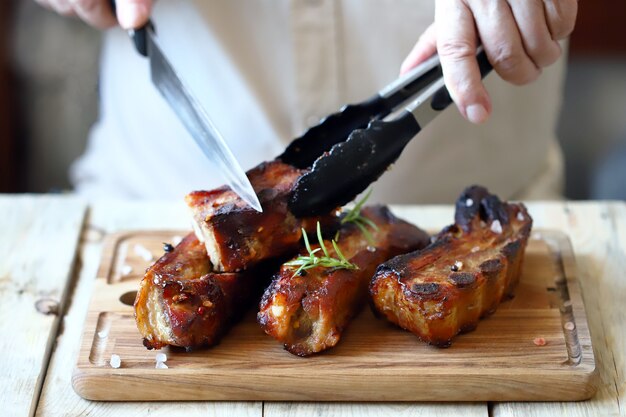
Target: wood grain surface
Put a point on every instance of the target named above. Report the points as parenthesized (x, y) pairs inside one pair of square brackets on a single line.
[(598, 234), (374, 361), (38, 240), (58, 398)]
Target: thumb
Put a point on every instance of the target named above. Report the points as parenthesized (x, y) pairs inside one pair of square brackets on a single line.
[(132, 14), (425, 47)]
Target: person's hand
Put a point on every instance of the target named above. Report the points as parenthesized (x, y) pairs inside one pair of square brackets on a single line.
[(520, 37), (130, 13)]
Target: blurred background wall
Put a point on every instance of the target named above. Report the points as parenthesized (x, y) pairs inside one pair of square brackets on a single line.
[(48, 98), (54, 62)]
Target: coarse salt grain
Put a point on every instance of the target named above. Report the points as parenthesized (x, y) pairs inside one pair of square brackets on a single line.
[(143, 253), (569, 326), (469, 202), (458, 265), (115, 361), (496, 227), (277, 310), (540, 341), (520, 216), (161, 365), (126, 270), (176, 240), (161, 357), (475, 249)]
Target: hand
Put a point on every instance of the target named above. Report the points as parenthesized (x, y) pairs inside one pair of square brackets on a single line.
[(520, 38), (130, 13)]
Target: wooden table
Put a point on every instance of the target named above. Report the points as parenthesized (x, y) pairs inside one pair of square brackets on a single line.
[(52, 244)]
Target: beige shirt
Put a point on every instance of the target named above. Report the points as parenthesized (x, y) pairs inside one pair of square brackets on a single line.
[(266, 70)]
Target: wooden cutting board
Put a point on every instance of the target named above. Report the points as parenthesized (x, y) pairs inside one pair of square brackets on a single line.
[(502, 360)]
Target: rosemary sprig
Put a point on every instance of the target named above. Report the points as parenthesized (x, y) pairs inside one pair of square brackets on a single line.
[(354, 216), (304, 262)]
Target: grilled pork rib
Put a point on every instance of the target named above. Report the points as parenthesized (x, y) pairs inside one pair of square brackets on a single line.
[(181, 302), (462, 276), (308, 312), (238, 237)]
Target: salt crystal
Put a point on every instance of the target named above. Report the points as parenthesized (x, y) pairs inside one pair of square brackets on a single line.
[(540, 341), (520, 216), (102, 334), (458, 265), (143, 252), (161, 365), (126, 270), (569, 326), (496, 227), (161, 357), (475, 249), (156, 280), (115, 361), (371, 249), (176, 240), (469, 202), (277, 310)]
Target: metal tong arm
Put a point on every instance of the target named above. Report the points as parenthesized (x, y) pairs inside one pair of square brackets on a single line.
[(336, 128), (338, 176)]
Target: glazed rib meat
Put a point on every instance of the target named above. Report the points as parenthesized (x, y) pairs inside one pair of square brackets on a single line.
[(462, 276), (181, 302), (236, 236), (309, 311)]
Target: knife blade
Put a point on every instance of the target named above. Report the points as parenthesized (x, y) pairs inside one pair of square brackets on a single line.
[(192, 114), (198, 123)]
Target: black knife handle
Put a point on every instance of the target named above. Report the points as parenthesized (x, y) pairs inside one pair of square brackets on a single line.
[(138, 36)]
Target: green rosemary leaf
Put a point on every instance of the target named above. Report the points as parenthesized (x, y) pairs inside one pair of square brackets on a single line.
[(320, 239), (366, 233), (304, 262), (306, 240), (354, 216)]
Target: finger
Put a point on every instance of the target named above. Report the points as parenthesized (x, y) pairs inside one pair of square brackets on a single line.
[(456, 44), (62, 7), (502, 41), (132, 14), (536, 37), (44, 3), (425, 47), (97, 13), (561, 16)]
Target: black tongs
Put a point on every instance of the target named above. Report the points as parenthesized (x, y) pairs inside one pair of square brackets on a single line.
[(349, 150)]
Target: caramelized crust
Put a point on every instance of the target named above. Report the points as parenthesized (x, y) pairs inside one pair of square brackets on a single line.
[(308, 312), (236, 236), (182, 303), (462, 276)]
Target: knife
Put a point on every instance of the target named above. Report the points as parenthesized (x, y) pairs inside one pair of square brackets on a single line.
[(191, 114)]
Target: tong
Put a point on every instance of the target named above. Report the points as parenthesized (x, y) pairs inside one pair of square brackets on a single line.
[(350, 149)]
